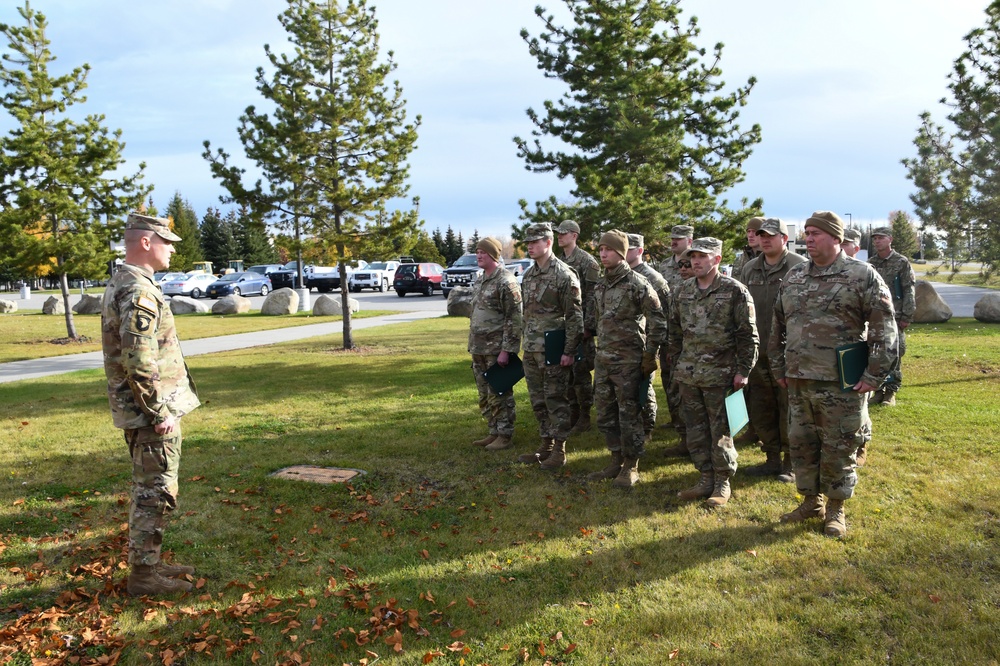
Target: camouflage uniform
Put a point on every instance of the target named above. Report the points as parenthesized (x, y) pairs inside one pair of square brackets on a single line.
[(671, 272), (148, 382), (662, 290), (551, 302), (739, 265), (767, 401), (588, 271), (712, 337), (892, 268), (817, 310), (495, 326), (630, 324)]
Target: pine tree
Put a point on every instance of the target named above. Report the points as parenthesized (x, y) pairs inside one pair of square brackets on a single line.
[(185, 225), (218, 242), (57, 174), (473, 241), (904, 236), (425, 249), (651, 141), (439, 242), (334, 151), (252, 239)]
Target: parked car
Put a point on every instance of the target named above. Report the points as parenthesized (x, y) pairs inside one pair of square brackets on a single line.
[(462, 273), (519, 266), (327, 278), (193, 285), (165, 276), (378, 275), (423, 278), (287, 275), (240, 284), (265, 269)]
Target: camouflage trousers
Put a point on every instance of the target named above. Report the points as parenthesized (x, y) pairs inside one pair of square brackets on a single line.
[(672, 390), (767, 404), (895, 380), (649, 407), (825, 429), (497, 410), (581, 389), (547, 389), (617, 391), (155, 464), (709, 441)]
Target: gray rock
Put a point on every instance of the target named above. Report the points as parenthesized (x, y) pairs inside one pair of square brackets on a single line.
[(460, 302), (231, 305), (987, 309), (53, 305), (89, 304), (184, 305), (931, 308), (330, 305), (282, 301), (7, 306)]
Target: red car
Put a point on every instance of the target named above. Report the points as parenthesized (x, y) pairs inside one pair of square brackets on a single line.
[(422, 278)]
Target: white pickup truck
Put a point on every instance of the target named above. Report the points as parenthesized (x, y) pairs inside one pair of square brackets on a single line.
[(377, 275)]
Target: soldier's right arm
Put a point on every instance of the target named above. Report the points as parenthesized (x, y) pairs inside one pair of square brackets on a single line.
[(139, 312), (513, 318), (776, 343), (675, 336)]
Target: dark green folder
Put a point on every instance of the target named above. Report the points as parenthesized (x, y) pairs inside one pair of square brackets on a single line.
[(852, 360), (897, 287), (644, 389), (555, 342), (502, 379)]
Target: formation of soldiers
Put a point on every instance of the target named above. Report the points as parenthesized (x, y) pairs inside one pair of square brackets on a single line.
[(774, 330)]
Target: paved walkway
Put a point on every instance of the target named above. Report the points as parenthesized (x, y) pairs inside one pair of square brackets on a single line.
[(55, 365)]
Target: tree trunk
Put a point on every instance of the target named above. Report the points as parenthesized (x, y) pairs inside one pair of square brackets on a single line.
[(64, 288), (345, 298)]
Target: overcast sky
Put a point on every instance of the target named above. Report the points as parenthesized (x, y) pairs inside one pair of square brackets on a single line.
[(840, 87)]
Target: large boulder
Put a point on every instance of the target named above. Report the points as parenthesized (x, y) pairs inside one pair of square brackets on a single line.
[(987, 309), (330, 305), (282, 301), (231, 305), (7, 306), (931, 308), (183, 305), (53, 305), (460, 302), (89, 304)]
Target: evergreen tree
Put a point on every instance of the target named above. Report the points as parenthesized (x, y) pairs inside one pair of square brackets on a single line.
[(473, 241), (439, 242), (253, 242), (452, 248), (425, 249), (218, 242), (904, 236), (651, 140), (334, 151), (57, 174), (185, 225)]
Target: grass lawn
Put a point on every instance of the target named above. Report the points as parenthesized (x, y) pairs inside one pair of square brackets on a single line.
[(26, 336), (968, 274), (444, 553)]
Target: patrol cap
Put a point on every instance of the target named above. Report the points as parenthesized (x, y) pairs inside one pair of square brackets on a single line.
[(882, 231), (852, 236), (635, 241), (773, 226), (160, 226), (755, 223), (568, 226), (490, 246), (537, 232), (615, 240), (706, 245), (827, 221), (682, 231)]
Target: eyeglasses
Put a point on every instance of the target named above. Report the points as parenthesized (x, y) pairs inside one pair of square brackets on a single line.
[(684, 264)]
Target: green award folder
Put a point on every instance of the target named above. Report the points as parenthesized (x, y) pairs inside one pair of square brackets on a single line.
[(897, 287), (644, 390), (852, 360), (555, 342), (736, 412), (502, 379)]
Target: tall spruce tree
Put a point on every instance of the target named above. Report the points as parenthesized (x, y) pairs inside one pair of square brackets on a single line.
[(651, 141), (218, 242), (252, 239), (904, 235), (61, 198), (334, 151), (473, 241), (185, 224)]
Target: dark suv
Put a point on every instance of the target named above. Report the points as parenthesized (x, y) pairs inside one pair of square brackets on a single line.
[(462, 273), (423, 278)]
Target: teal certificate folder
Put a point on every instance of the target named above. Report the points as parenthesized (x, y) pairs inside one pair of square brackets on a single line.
[(852, 360), (736, 412), (555, 342), (502, 379)]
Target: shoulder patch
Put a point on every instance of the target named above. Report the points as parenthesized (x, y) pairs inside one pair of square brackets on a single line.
[(147, 303)]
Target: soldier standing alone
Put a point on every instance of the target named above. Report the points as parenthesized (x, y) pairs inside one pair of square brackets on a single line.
[(898, 275), (150, 389), (494, 336)]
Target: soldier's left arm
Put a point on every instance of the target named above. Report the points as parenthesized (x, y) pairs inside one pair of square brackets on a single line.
[(656, 320), (513, 318), (140, 352), (572, 307), (588, 284), (909, 305), (878, 312), (747, 340)]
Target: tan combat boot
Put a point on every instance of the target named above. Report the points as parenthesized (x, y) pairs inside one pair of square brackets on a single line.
[(144, 580), (173, 570), (611, 471), (582, 424), (811, 507), (835, 522), (704, 487), (629, 475), (500, 443), (721, 491), (557, 458), (861, 457), (890, 399), (485, 441), (543, 452)]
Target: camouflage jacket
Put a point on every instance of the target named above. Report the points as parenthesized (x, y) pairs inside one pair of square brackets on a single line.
[(712, 332), (588, 272), (662, 290), (762, 281), (630, 319), (496, 323), (147, 377), (739, 264), (897, 273), (551, 302), (671, 272), (821, 308)]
